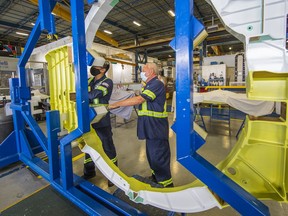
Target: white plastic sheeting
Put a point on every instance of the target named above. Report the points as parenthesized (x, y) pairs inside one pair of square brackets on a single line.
[(235, 100), (239, 102)]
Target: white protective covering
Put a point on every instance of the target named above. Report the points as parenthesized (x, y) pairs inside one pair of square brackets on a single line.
[(235, 100), (239, 102)]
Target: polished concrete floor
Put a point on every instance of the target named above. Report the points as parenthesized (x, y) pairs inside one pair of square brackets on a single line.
[(17, 182)]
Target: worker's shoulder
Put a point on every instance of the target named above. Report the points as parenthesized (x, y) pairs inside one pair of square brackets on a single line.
[(107, 82), (156, 83)]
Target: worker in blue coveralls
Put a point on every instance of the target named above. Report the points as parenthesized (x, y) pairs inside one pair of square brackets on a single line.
[(153, 124), (100, 89)]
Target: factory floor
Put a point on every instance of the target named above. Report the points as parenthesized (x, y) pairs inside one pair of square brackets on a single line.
[(18, 182)]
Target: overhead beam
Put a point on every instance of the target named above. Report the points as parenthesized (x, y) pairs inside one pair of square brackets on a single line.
[(120, 26), (119, 61), (147, 43), (5, 6), (197, 9), (65, 14), (13, 25), (216, 50), (18, 26), (161, 53), (223, 41)]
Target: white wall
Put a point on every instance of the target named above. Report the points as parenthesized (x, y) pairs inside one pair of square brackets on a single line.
[(229, 60), (122, 74), (8, 64)]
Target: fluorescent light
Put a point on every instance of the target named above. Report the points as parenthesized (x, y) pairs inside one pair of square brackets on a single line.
[(21, 33), (32, 23), (171, 13), (108, 32), (136, 23)]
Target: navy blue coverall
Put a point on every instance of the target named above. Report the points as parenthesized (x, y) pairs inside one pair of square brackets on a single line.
[(99, 94), (154, 127)]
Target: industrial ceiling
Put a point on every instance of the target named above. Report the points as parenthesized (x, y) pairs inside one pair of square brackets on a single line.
[(154, 33)]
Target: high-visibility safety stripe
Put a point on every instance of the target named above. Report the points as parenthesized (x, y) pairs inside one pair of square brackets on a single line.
[(145, 112), (114, 160), (96, 101), (149, 94), (103, 89), (166, 183), (88, 160), (90, 80), (153, 114)]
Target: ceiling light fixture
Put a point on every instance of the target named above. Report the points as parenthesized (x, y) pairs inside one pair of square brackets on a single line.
[(33, 24), (21, 33), (171, 12), (108, 32), (169, 56), (136, 23), (230, 48)]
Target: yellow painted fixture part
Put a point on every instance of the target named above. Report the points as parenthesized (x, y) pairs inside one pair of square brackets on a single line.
[(62, 82), (258, 161)]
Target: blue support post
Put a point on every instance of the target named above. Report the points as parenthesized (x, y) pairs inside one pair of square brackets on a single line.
[(82, 102), (53, 127), (184, 95), (18, 121), (228, 190), (44, 14), (80, 66)]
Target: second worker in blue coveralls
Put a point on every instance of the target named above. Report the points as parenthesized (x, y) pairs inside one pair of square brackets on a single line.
[(100, 90), (153, 124)]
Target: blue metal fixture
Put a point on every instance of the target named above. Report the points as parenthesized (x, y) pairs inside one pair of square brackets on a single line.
[(186, 30), (24, 143)]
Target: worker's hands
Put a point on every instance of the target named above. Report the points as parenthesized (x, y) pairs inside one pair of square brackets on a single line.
[(112, 106)]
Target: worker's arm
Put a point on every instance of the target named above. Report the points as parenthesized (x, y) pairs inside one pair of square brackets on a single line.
[(128, 102), (96, 93), (102, 90)]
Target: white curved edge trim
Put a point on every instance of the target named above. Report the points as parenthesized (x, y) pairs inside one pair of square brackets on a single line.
[(94, 18), (190, 200)]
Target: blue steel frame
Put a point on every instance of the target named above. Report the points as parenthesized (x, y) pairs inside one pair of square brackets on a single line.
[(187, 29), (23, 143), (61, 176)]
